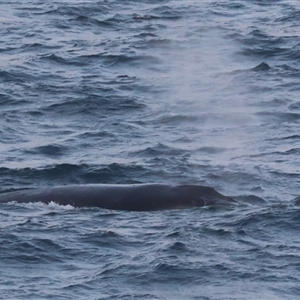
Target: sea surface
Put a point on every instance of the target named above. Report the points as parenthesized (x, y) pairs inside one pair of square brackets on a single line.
[(148, 91)]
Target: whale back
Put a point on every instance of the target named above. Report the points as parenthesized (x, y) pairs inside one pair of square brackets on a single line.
[(139, 197)]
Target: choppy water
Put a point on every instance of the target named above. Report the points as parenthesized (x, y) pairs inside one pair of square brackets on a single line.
[(202, 92)]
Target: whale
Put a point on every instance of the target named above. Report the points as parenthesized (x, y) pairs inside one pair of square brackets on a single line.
[(128, 197)]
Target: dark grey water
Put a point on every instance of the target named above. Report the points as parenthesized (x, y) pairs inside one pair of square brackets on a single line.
[(202, 92)]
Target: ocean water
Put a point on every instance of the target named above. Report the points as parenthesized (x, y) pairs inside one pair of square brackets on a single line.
[(200, 92)]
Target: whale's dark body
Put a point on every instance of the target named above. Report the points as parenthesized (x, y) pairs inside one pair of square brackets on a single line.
[(136, 197)]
